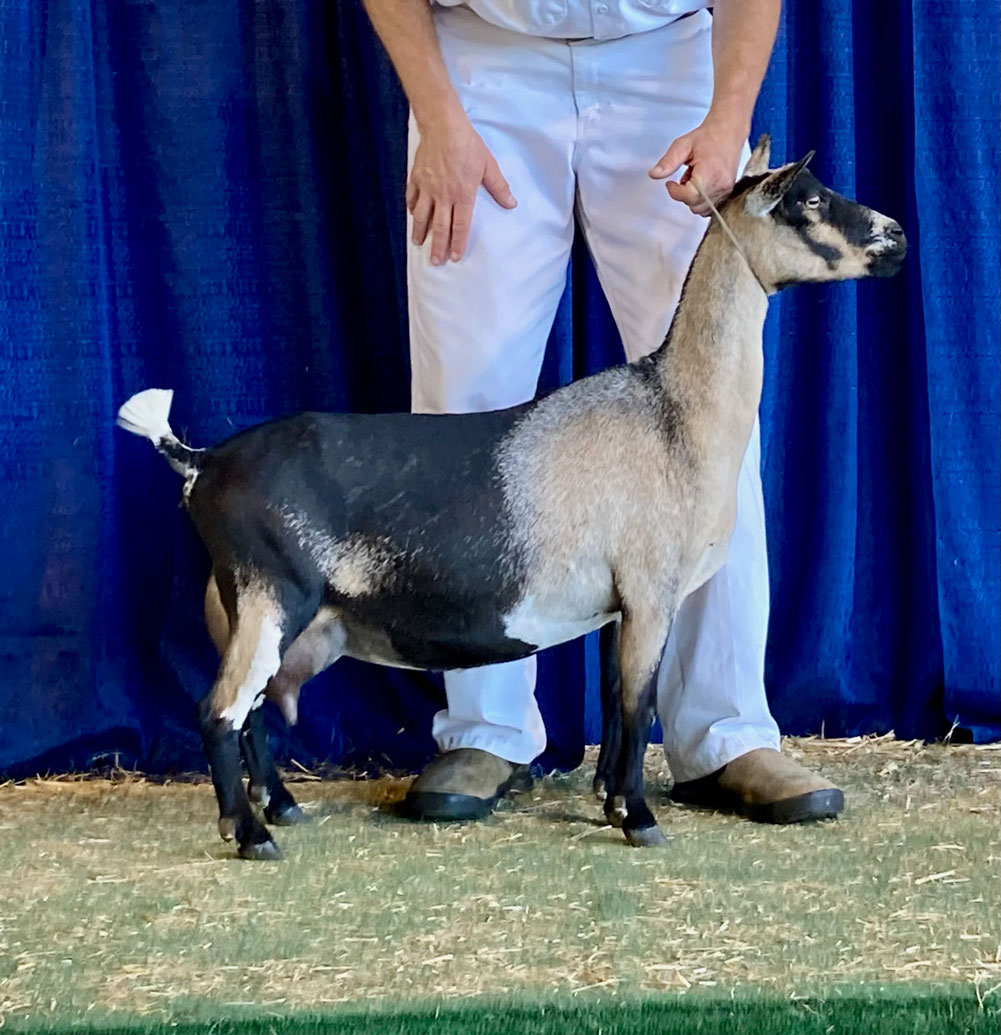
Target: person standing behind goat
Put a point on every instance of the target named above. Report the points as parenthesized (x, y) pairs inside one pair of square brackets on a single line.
[(565, 99)]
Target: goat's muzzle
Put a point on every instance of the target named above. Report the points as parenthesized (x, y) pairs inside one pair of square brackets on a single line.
[(886, 254)]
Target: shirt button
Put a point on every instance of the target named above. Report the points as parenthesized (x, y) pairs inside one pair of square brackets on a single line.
[(602, 8)]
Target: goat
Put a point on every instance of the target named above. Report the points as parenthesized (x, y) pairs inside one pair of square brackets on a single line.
[(453, 541)]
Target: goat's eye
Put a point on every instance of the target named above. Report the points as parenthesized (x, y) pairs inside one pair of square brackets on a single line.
[(813, 202)]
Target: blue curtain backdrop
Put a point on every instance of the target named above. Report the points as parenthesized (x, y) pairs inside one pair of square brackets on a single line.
[(207, 196)]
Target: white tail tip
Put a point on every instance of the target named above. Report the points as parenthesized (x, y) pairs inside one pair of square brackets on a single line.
[(146, 414)]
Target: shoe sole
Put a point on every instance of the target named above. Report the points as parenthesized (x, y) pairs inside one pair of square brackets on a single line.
[(449, 807), (804, 808)]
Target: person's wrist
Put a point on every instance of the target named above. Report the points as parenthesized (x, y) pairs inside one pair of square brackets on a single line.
[(438, 108), (730, 119)]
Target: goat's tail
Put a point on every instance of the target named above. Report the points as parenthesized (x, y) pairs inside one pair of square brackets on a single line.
[(146, 414)]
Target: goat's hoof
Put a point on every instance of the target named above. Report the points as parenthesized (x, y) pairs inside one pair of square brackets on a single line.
[(289, 816), (646, 837), (599, 789), (227, 828), (261, 851)]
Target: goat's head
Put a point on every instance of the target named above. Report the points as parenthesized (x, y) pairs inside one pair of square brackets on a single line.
[(794, 229)]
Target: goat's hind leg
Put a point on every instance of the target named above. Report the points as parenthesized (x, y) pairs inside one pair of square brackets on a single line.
[(320, 644), (251, 657), (266, 788), (265, 784)]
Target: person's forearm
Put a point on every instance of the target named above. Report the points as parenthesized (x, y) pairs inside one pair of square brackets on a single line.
[(742, 40), (407, 32)]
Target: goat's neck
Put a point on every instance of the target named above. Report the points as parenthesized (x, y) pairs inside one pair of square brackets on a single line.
[(711, 361)]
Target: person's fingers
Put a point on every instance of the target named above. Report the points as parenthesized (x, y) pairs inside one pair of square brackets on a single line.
[(462, 218), (441, 232), (493, 180), (421, 212), (716, 184), (410, 195), (686, 193), (673, 158)]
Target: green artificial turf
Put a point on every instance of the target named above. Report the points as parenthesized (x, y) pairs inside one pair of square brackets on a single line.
[(883, 1011)]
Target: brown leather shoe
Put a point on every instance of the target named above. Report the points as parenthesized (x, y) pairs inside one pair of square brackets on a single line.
[(463, 784), (765, 786)]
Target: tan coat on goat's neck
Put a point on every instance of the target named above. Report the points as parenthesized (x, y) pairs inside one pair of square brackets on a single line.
[(623, 486)]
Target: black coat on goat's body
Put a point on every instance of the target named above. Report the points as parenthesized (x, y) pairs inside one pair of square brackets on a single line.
[(408, 536), (454, 541)]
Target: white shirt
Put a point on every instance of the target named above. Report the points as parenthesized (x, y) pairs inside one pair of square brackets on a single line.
[(579, 19)]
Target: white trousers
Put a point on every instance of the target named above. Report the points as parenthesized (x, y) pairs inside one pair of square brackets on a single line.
[(576, 125)]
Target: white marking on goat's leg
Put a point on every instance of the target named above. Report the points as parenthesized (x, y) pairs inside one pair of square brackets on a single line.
[(263, 663)]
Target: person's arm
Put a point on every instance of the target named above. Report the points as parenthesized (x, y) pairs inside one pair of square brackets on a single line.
[(743, 35), (451, 160)]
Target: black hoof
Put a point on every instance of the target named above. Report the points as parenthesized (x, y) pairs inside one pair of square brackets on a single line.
[(599, 788), (646, 837), (261, 851), (288, 816)]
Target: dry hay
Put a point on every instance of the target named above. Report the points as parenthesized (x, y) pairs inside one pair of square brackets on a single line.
[(125, 899)]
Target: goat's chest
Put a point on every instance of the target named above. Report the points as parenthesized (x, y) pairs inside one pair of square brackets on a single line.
[(707, 563), (712, 544)]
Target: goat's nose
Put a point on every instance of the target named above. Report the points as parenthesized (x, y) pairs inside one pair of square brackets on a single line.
[(896, 231)]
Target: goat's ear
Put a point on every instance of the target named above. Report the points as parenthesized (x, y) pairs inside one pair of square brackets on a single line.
[(758, 162), (762, 198)]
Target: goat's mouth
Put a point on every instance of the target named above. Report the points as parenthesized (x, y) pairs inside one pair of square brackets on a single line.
[(885, 261)]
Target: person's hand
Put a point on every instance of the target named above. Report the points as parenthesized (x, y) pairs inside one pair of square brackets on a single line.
[(451, 163), (711, 152)]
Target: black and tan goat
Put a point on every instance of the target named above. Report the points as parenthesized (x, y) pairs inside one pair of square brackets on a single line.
[(454, 541)]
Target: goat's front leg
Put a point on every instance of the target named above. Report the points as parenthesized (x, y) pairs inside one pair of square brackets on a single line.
[(251, 657), (611, 712), (641, 645)]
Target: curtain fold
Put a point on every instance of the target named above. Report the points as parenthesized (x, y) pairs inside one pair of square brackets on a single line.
[(209, 198)]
